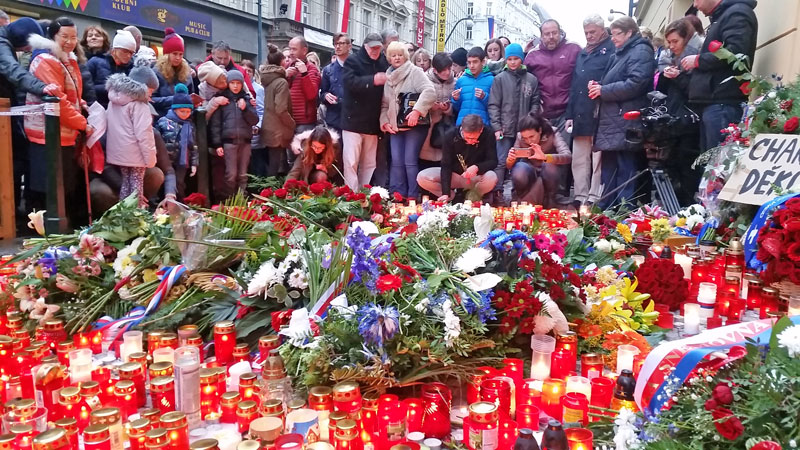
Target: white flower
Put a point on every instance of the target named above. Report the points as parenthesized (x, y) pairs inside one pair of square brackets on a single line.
[(293, 256), (603, 245), (452, 325), (790, 340), (472, 259), (793, 443), (298, 280), (379, 190), (124, 260), (616, 245), (422, 306), (693, 220), (431, 220), (265, 277), (626, 436)]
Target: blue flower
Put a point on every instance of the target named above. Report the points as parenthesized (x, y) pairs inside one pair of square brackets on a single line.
[(482, 306), (376, 324), (364, 267)]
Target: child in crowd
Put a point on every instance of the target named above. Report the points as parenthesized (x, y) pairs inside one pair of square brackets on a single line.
[(316, 156), (231, 130), (178, 132), (471, 95), (129, 139), (212, 82)]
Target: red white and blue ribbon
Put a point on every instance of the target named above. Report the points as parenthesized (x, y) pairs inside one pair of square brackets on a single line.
[(112, 329), (689, 353)]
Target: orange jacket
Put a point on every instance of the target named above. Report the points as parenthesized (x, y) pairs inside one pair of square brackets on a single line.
[(61, 69)]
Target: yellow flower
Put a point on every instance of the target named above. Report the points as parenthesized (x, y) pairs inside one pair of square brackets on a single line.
[(625, 232), (149, 275), (681, 222)]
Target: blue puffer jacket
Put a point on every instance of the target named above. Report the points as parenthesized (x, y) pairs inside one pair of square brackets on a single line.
[(102, 67), (467, 103)]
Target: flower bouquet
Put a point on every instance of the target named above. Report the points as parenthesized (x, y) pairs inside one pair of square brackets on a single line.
[(779, 244), (663, 280)]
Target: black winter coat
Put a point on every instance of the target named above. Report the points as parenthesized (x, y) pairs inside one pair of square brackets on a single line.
[(483, 155), (733, 23), (15, 80), (361, 109), (624, 88), (231, 125), (332, 83), (102, 67), (88, 95), (590, 66)]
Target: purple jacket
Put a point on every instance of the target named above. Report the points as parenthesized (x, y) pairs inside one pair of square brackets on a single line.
[(554, 70)]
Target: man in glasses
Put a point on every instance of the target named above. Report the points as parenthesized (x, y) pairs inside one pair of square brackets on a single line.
[(331, 90), (468, 161)]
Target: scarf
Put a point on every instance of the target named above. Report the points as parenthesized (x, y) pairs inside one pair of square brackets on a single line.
[(590, 48), (185, 136)]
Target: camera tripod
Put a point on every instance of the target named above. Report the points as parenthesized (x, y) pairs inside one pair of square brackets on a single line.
[(662, 193)]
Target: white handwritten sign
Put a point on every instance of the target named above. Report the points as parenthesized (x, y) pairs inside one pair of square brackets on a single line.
[(772, 161)]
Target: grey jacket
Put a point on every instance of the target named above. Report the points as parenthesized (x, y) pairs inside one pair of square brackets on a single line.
[(624, 88), (514, 95), (15, 81)]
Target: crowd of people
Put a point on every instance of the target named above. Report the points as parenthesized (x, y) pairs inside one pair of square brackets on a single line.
[(539, 122)]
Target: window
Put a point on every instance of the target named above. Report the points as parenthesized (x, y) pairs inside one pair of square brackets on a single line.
[(468, 36), (366, 19), (488, 9), (399, 28), (304, 15), (470, 9), (383, 21), (327, 15)]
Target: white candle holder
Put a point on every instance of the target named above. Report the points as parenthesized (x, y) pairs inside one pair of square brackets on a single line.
[(691, 318), (80, 365), (625, 355), (543, 347)]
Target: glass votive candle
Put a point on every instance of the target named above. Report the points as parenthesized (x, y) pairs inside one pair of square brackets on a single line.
[(131, 343), (530, 393), (713, 322), (97, 437), (579, 438), (23, 436), (162, 393), (482, 425), (507, 433), (579, 384), (136, 433), (552, 391), (542, 347), (209, 397), (437, 400), (80, 365), (707, 298), (414, 411), (497, 391), (228, 402), (125, 395), (111, 417), (164, 354), (575, 408), (246, 411), (474, 384), (561, 363), (625, 355), (157, 439), (591, 365), (666, 320), (224, 341), (347, 436), (294, 441), (602, 391), (528, 416), (62, 351), (247, 386), (185, 332), (70, 427), (177, 427), (691, 318)]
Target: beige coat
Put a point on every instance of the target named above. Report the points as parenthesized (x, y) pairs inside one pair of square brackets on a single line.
[(443, 90), (406, 78)]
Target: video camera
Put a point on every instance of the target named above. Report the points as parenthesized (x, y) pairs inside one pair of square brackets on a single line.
[(659, 130)]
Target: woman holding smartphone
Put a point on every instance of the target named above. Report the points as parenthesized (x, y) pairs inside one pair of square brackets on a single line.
[(534, 159)]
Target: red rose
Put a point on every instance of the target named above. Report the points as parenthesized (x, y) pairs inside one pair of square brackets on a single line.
[(787, 105), (397, 197), (791, 125), (196, 199), (713, 46), (280, 318), (317, 188), (367, 186), (793, 205), (745, 88), (728, 425), (341, 191), (266, 192), (375, 198), (388, 283), (377, 208), (766, 445), (722, 394), (281, 193)]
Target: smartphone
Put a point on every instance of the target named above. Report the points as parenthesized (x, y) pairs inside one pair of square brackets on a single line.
[(522, 152)]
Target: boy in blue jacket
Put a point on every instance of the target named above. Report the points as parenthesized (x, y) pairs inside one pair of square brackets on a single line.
[(471, 94)]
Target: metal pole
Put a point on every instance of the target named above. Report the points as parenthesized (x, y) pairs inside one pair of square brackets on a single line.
[(201, 138), (454, 29), (260, 37), (56, 217)]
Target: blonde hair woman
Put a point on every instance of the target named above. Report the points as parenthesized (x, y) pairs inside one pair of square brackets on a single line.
[(171, 68), (406, 137)]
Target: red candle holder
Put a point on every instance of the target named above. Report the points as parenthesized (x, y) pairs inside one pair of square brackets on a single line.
[(528, 416), (177, 427), (346, 438), (754, 293), (266, 344), (713, 322), (62, 352), (575, 408), (591, 365), (69, 400), (48, 380), (561, 363), (552, 391), (474, 385), (23, 435), (247, 387), (736, 309), (413, 414), (97, 437), (666, 320), (82, 340), (134, 372), (602, 392), (579, 438), (514, 369), (723, 303), (507, 434), (137, 431), (241, 352), (347, 397), (246, 412), (70, 427), (391, 421), (437, 399), (568, 341), (162, 390), (529, 394), (228, 402), (224, 342), (125, 395), (209, 396), (481, 427)]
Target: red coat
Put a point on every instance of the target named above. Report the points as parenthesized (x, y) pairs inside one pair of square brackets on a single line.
[(304, 89), (554, 70)]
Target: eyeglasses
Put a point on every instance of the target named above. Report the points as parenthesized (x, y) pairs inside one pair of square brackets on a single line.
[(618, 33), (470, 140), (340, 44)]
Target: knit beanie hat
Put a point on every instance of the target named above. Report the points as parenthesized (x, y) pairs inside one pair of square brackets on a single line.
[(235, 75), (209, 72), (459, 56), (172, 41), (145, 56), (514, 50), (144, 75), (124, 39), (181, 98), (20, 29)]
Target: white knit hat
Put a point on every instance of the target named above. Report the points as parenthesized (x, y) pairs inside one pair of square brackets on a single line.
[(124, 39)]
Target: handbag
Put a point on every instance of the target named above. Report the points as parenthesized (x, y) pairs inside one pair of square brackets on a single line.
[(406, 102), (439, 131)]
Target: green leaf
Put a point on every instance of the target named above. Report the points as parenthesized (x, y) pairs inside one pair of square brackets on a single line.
[(252, 322)]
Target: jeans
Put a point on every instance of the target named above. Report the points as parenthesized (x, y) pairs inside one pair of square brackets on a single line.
[(716, 118), (405, 146), (237, 158), (535, 185), (585, 170), (276, 161), (358, 158), (503, 146), (431, 180), (258, 161), (617, 168)]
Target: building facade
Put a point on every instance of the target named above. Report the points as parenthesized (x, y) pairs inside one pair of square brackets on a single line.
[(515, 19), (778, 41)]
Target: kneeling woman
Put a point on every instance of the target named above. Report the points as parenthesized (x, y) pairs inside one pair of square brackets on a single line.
[(535, 180), (316, 156)]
